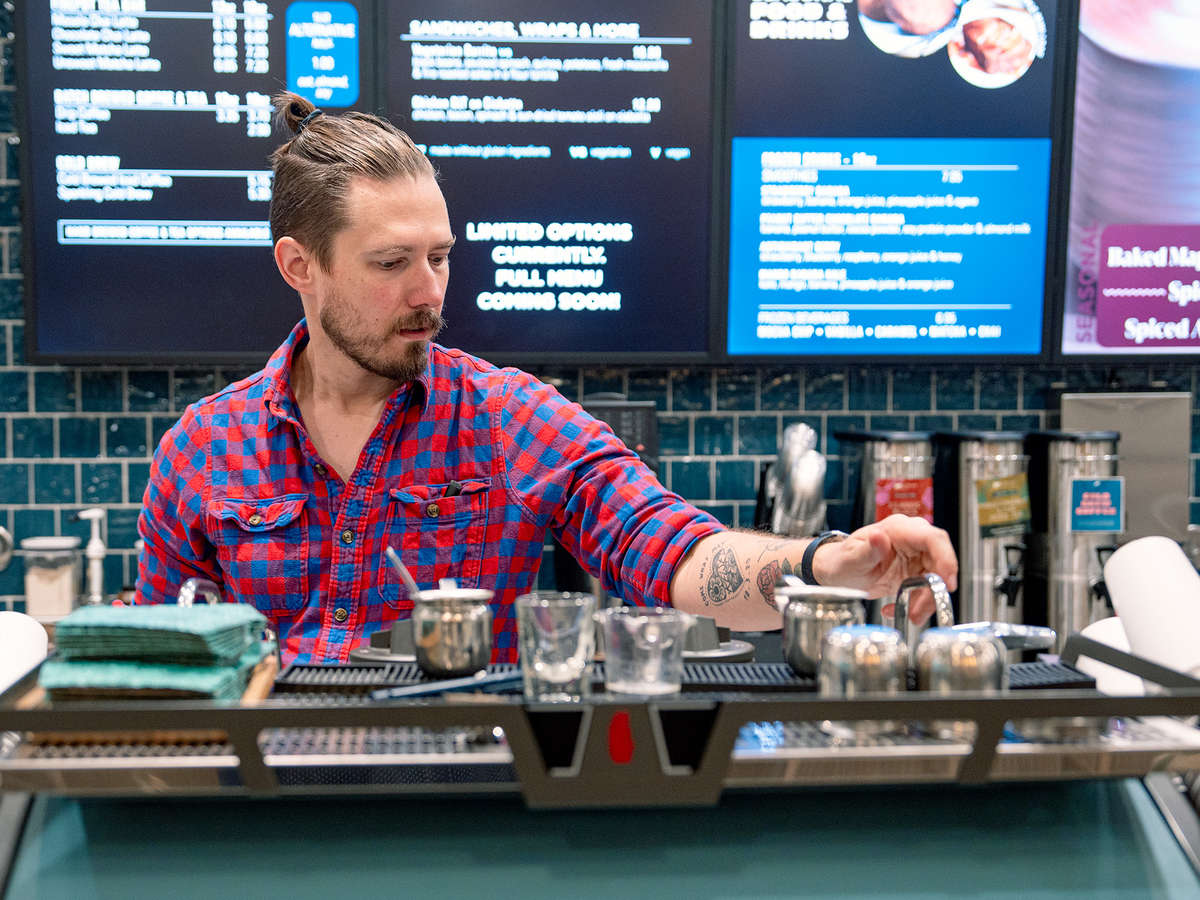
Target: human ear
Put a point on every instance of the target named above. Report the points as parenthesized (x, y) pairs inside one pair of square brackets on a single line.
[(295, 264)]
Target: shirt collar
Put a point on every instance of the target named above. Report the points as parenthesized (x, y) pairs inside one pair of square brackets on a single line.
[(277, 379)]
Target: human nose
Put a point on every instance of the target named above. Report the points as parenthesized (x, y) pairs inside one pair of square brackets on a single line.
[(427, 286)]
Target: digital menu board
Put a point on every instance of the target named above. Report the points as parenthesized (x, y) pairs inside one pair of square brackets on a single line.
[(891, 177), (1133, 254), (147, 128), (574, 144)]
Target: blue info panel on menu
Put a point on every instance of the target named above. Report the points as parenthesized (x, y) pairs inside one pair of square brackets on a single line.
[(887, 246)]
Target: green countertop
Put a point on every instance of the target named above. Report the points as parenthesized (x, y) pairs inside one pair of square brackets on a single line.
[(1098, 839)]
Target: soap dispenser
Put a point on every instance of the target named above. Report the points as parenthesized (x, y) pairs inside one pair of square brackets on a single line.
[(94, 553)]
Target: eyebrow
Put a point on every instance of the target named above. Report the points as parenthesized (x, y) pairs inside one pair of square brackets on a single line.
[(408, 248)]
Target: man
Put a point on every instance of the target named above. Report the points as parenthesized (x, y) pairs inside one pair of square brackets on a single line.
[(360, 434)]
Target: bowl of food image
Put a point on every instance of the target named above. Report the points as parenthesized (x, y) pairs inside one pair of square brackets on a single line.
[(908, 28), (997, 42)]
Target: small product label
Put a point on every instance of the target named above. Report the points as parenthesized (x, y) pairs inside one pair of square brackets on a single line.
[(907, 496), (1097, 505), (1003, 505)]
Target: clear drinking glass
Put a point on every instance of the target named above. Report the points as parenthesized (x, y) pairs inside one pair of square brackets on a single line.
[(643, 649), (557, 638)]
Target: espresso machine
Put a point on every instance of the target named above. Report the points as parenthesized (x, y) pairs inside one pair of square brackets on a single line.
[(982, 501), (1077, 508)]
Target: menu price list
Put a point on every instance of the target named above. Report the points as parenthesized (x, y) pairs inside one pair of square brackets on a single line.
[(148, 124), (574, 147), (887, 246)]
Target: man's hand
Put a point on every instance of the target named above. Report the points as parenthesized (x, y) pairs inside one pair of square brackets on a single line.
[(877, 558), (731, 575)]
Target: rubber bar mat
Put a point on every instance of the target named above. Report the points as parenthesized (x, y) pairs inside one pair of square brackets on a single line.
[(303, 678), (1047, 676), (306, 678), (756, 676)]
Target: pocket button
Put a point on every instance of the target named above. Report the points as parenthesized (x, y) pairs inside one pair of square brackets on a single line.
[(433, 511), (254, 519)]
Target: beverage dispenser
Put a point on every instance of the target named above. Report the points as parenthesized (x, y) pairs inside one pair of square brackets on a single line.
[(890, 472), (1078, 509), (982, 500)]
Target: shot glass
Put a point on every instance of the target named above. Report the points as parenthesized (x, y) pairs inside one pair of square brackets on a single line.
[(557, 639), (643, 649)]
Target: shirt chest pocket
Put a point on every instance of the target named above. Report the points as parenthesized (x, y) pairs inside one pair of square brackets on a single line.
[(438, 530), (263, 547)]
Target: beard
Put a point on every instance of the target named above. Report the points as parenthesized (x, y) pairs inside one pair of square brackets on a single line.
[(346, 331)]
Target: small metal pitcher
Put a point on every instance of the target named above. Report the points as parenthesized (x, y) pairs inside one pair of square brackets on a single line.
[(452, 631), (809, 613)]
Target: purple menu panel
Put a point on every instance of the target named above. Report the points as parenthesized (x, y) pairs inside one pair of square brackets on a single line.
[(1149, 287)]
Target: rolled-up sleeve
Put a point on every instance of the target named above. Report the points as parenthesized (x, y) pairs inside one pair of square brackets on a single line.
[(571, 473)]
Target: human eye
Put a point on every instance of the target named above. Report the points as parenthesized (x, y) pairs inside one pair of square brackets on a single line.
[(388, 265)]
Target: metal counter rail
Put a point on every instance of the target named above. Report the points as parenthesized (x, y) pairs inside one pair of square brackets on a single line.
[(683, 750), (607, 752)]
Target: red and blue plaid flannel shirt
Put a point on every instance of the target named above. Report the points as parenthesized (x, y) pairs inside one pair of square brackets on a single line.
[(239, 495)]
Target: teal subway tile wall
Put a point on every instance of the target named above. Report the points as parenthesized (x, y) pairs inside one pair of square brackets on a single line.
[(72, 437)]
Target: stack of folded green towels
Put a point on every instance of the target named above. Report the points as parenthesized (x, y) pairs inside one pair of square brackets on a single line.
[(163, 651)]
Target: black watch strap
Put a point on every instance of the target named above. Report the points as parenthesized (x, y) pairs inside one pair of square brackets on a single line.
[(806, 561)]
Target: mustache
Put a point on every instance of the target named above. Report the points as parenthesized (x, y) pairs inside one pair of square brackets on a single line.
[(422, 320)]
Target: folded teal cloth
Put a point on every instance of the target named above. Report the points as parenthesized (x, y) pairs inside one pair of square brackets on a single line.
[(83, 679), (204, 634)]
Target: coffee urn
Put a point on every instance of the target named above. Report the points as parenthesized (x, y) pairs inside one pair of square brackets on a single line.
[(1077, 505), (891, 472), (982, 500)]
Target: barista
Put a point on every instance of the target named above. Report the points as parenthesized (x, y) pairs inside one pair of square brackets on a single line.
[(362, 433)]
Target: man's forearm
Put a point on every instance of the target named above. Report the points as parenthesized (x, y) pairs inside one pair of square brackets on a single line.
[(731, 576)]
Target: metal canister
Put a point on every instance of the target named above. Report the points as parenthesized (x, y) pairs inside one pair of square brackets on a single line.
[(1064, 575), (863, 659), (810, 612), (948, 661), (890, 471), (452, 631), (983, 502)]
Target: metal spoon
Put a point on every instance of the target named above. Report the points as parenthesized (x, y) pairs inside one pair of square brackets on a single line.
[(402, 571)]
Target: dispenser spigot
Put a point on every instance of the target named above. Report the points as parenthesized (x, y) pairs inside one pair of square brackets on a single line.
[(1008, 585)]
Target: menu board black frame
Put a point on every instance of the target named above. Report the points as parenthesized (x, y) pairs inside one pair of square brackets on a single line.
[(373, 87), (42, 258), (644, 190), (1133, 177), (1062, 46), (233, 291)]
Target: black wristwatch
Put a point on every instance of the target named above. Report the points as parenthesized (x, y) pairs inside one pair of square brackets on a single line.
[(806, 561)]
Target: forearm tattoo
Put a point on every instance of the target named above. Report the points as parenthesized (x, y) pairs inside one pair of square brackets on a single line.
[(722, 578), (773, 564)]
